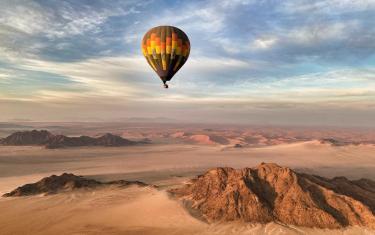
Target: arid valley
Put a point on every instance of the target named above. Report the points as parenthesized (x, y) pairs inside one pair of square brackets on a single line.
[(167, 160)]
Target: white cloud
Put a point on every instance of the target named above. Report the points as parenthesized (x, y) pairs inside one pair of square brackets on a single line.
[(319, 32), (326, 6), (104, 77), (341, 87), (34, 19), (122, 77), (208, 17), (209, 64), (30, 18), (233, 3), (5, 75), (127, 78), (195, 18), (263, 43)]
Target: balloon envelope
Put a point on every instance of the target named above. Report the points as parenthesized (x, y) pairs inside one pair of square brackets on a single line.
[(166, 49)]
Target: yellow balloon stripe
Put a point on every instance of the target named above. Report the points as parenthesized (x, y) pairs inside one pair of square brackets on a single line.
[(151, 63)]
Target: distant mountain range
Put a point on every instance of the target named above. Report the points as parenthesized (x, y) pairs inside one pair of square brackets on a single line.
[(273, 193), (49, 140)]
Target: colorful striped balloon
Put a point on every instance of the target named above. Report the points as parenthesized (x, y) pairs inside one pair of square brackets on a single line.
[(166, 49)]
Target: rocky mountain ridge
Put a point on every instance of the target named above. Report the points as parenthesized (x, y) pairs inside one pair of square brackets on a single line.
[(64, 183), (49, 140), (270, 192)]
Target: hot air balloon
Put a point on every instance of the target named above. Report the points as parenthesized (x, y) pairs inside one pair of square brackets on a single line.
[(166, 49)]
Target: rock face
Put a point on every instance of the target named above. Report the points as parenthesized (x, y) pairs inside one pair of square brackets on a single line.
[(64, 183), (43, 137), (335, 142), (33, 137), (113, 140), (60, 141), (237, 146), (273, 193)]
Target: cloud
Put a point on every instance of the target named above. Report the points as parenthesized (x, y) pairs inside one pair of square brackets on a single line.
[(246, 55), (263, 43), (204, 17), (326, 6), (63, 31), (128, 77), (58, 19), (18, 17)]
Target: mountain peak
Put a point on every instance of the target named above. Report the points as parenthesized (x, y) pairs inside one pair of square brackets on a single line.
[(43, 137), (34, 137), (270, 192)]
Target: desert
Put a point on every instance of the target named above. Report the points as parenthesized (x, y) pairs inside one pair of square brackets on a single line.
[(166, 166)]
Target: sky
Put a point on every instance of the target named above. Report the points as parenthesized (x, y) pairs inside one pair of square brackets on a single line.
[(268, 62)]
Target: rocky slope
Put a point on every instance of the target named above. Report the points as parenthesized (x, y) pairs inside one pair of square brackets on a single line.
[(273, 193), (337, 142), (112, 140), (33, 137), (64, 183), (49, 140)]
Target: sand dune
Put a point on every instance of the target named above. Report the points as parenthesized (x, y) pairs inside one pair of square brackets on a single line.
[(202, 139), (132, 210), (110, 210)]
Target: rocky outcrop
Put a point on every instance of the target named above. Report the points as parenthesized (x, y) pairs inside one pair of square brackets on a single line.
[(273, 193), (335, 142), (61, 141), (113, 140), (33, 137), (49, 140), (64, 183)]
